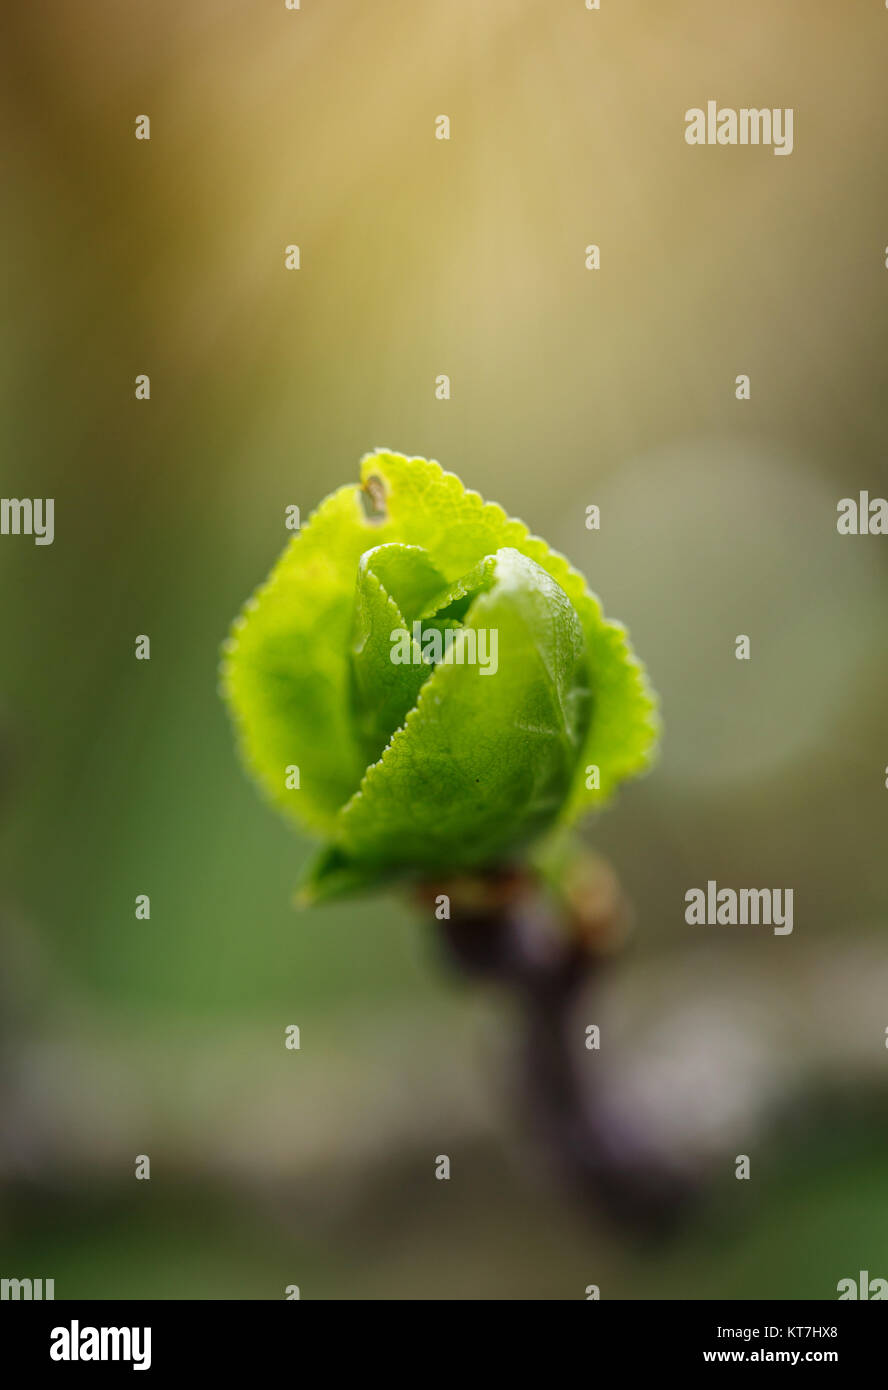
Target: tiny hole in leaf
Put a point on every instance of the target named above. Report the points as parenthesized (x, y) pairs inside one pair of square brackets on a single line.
[(373, 501)]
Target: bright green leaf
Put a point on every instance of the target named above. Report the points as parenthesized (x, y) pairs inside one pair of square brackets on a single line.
[(309, 678)]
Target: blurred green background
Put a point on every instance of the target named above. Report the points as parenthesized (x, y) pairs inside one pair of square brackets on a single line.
[(118, 777)]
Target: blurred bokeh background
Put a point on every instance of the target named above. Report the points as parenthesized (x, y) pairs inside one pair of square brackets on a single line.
[(569, 387)]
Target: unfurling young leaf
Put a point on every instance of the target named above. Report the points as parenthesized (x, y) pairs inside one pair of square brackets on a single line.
[(441, 678)]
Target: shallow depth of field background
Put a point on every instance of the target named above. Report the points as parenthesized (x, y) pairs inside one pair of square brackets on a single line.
[(119, 777)]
